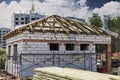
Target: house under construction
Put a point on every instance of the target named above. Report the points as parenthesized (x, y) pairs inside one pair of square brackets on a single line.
[(54, 41)]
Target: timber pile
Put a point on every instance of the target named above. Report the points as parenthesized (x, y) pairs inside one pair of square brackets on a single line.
[(55, 73)]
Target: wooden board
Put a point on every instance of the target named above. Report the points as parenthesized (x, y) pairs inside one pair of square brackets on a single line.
[(55, 73)]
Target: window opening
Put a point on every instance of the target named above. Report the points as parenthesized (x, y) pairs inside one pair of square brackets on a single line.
[(84, 46), (15, 52), (54, 46), (70, 47), (9, 52)]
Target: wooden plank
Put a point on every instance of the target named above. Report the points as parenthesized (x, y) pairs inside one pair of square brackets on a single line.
[(73, 74), (51, 76)]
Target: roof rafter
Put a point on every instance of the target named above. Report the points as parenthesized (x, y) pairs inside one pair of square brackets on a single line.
[(31, 28), (70, 25), (52, 26), (82, 27), (57, 23), (65, 25), (95, 30), (94, 27), (41, 26), (66, 30)]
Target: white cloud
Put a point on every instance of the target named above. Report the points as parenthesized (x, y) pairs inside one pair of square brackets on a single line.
[(60, 7), (82, 2), (49, 7), (110, 8)]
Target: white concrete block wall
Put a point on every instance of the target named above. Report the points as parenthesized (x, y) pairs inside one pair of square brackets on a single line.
[(43, 47), (39, 47), (35, 47), (40, 36), (62, 48)]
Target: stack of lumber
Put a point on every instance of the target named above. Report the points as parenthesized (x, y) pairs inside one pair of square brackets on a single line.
[(2, 78), (55, 73)]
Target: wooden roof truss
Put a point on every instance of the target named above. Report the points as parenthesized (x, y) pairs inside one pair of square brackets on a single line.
[(56, 23)]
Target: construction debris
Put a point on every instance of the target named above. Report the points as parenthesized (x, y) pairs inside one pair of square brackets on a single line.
[(55, 73)]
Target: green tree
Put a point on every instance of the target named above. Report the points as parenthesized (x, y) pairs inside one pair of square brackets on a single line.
[(116, 25), (108, 22), (2, 51), (95, 20), (112, 24), (2, 58)]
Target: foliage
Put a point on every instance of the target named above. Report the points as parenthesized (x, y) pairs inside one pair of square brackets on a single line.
[(95, 20), (112, 24), (2, 51), (2, 58), (109, 23), (116, 25)]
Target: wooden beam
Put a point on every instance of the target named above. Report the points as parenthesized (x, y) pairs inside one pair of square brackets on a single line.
[(95, 30), (70, 25), (82, 27), (66, 30), (41, 27), (78, 23), (31, 28), (65, 25), (52, 27)]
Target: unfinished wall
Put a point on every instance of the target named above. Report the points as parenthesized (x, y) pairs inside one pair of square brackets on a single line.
[(39, 43)]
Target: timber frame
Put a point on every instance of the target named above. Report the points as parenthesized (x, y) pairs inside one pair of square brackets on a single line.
[(57, 24)]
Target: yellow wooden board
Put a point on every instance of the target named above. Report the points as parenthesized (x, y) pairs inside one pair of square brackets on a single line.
[(74, 74)]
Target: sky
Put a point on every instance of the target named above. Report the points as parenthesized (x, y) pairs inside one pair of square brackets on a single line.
[(75, 8)]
